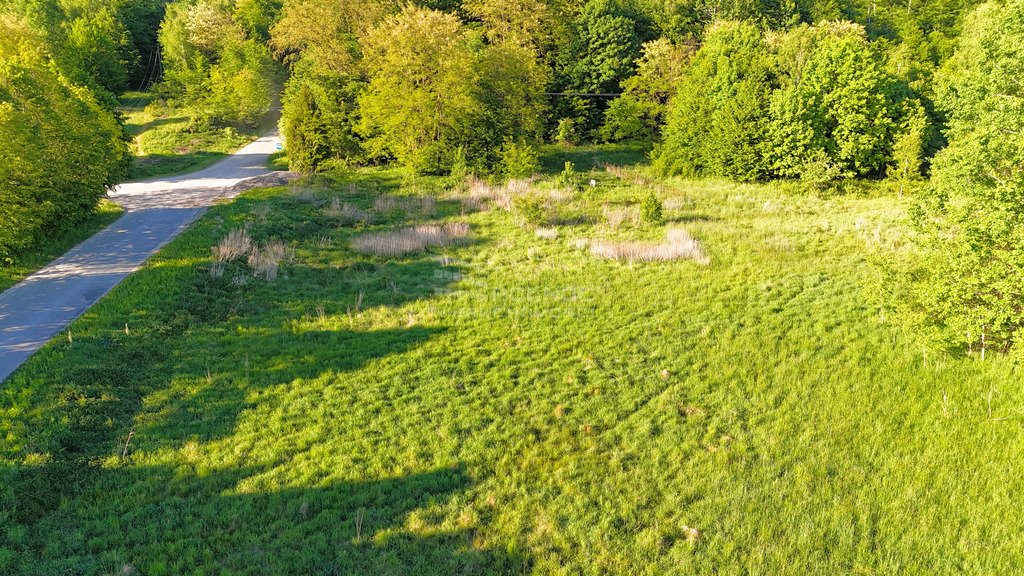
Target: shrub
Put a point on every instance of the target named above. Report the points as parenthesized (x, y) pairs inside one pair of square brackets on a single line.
[(570, 178), (518, 159), (531, 208), (651, 209), (567, 132)]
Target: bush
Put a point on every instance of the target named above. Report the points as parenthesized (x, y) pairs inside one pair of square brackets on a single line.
[(318, 117), (518, 160), (567, 132), (651, 209), (716, 123), (531, 208), (59, 148), (569, 177)]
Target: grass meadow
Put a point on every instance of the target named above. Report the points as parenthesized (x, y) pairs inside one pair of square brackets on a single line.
[(506, 402)]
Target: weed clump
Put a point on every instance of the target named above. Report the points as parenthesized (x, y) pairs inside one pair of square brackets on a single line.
[(531, 208), (263, 259)]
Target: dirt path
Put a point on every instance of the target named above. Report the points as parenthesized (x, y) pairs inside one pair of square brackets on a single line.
[(157, 210)]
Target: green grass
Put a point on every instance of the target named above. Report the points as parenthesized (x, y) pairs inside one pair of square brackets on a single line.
[(513, 405), (278, 161), (166, 142), (105, 214)]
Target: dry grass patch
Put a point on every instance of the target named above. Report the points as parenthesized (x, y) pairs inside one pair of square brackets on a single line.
[(481, 193), (678, 244), (235, 245), (615, 217), (346, 212), (410, 239), (264, 260), (424, 205), (547, 233)]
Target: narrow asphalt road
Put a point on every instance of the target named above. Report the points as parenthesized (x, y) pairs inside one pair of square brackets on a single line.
[(157, 210)]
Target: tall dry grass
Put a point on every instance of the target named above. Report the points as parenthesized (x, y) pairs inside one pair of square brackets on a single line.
[(263, 259), (410, 239), (615, 217), (345, 212), (419, 205), (678, 244), (234, 246)]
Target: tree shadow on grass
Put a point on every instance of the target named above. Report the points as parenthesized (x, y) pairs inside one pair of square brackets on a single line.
[(138, 128), (191, 363), (184, 356), (162, 520)]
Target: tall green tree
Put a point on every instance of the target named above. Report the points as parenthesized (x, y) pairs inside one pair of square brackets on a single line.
[(717, 120), (972, 218), (422, 97), (836, 103)]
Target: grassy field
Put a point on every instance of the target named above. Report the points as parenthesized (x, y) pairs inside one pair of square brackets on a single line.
[(104, 215), (167, 142), (512, 404)]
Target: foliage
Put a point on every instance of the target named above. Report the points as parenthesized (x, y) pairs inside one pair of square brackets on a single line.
[(972, 218), (640, 112), (101, 51), (908, 152), (599, 54), (212, 66), (651, 208), (835, 99), (567, 132), (59, 148), (518, 159), (421, 98), (717, 121)]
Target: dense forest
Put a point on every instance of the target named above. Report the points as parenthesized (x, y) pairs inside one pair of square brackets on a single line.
[(913, 97)]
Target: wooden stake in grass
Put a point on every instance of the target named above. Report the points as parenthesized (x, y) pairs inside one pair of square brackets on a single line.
[(359, 524), (124, 453)]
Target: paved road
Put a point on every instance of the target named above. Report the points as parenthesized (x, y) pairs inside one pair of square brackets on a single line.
[(156, 211)]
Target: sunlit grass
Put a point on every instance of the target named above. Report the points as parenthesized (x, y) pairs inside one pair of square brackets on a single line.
[(513, 404), (167, 142)]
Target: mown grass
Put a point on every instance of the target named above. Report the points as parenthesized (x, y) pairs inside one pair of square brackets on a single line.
[(513, 404), (105, 214), (167, 142)]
